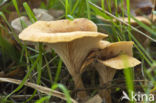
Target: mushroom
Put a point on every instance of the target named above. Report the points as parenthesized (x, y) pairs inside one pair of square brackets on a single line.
[(141, 38), (132, 22), (109, 59), (138, 5), (71, 40)]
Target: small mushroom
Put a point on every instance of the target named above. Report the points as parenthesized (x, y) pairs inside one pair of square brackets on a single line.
[(138, 5), (141, 38), (147, 21), (142, 19), (110, 59), (71, 40)]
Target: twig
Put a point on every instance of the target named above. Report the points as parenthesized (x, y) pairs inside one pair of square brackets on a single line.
[(19, 96)]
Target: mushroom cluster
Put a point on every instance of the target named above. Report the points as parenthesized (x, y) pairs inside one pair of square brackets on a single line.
[(79, 44), (114, 56)]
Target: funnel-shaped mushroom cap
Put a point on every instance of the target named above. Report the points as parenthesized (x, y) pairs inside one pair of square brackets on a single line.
[(121, 62), (61, 26), (115, 49), (57, 31), (118, 55), (142, 19)]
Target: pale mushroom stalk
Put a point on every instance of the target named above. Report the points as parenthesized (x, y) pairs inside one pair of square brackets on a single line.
[(71, 40), (73, 54), (106, 75)]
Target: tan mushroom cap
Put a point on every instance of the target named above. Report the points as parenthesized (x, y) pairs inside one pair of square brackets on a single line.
[(60, 31), (142, 19), (139, 18), (121, 62), (115, 49), (65, 25), (103, 44), (57, 37)]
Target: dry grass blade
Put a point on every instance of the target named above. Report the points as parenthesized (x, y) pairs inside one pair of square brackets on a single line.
[(38, 87)]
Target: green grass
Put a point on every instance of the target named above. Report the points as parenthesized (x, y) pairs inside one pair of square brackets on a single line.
[(36, 60)]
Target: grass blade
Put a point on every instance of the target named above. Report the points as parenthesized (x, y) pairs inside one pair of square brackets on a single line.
[(16, 7), (29, 13), (64, 90), (58, 71)]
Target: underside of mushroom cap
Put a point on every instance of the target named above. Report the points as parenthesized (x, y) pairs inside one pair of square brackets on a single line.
[(92, 55), (120, 62)]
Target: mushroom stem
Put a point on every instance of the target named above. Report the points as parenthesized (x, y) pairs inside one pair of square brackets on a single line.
[(73, 63), (79, 85), (106, 75)]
